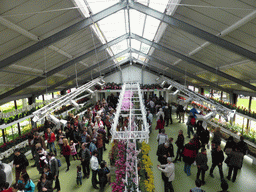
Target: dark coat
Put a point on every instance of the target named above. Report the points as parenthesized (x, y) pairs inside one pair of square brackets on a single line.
[(204, 137), (180, 141), (201, 160), (170, 150), (243, 147), (47, 185), (2, 176), (167, 112), (236, 159), (161, 151), (20, 160), (217, 157)]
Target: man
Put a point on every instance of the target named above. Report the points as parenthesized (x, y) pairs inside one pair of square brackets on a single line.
[(50, 137), (54, 168), (162, 137), (189, 154), (37, 139), (190, 124), (180, 144), (85, 160), (201, 162), (170, 148), (94, 166), (217, 160), (167, 114), (20, 163), (150, 120), (243, 146), (235, 163), (92, 146), (169, 173), (198, 187), (162, 153)]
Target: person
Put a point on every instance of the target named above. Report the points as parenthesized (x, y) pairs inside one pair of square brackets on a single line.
[(54, 168), (94, 166), (18, 187), (162, 137), (217, 160), (199, 128), (159, 114), (167, 114), (162, 153), (230, 144), (42, 155), (20, 163), (60, 137), (242, 145), (181, 112), (170, 148), (169, 173), (37, 139), (28, 183), (216, 140), (92, 146), (100, 146), (103, 178), (50, 138), (224, 186), (2, 175), (73, 152), (180, 144), (193, 110), (150, 120), (201, 162), (79, 175), (85, 160), (190, 124), (235, 162), (44, 184), (66, 151), (160, 123), (108, 125), (198, 186), (189, 155), (204, 137)]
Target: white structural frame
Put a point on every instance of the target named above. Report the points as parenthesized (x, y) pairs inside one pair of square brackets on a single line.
[(218, 108), (131, 133), (43, 112)]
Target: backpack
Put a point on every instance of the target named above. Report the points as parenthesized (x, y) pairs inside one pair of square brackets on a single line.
[(59, 163)]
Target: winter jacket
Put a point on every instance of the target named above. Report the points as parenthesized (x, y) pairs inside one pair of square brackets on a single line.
[(189, 153), (20, 160), (236, 159), (180, 141), (66, 150), (54, 166), (201, 159), (50, 138), (217, 157), (160, 124)]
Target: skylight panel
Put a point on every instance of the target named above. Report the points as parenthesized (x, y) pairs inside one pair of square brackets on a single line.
[(135, 44), (141, 58), (145, 48), (137, 21), (99, 5), (151, 28), (125, 56), (117, 48), (113, 26), (158, 5), (135, 55)]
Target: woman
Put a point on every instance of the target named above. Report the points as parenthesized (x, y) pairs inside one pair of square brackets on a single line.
[(66, 152), (44, 184), (216, 140), (29, 185), (160, 123), (60, 136)]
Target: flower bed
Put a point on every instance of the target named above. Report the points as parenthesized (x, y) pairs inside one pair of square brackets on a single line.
[(125, 158)]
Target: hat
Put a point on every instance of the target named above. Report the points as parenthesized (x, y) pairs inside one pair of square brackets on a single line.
[(169, 159)]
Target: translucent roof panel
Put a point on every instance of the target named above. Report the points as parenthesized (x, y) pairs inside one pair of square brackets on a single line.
[(113, 26), (137, 22), (99, 5), (135, 44), (117, 48)]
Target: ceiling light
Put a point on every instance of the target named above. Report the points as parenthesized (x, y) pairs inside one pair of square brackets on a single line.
[(169, 87)]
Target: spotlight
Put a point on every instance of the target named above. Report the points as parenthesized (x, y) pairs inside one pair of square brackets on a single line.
[(162, 84), (169, 87)]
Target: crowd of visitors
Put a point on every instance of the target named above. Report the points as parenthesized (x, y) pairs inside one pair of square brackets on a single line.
[(83, 139)]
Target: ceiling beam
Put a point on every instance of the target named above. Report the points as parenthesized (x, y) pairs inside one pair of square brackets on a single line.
[(193, 61), (92, 67), (62, 34), (63, 66), (152, 58), (193, 30)]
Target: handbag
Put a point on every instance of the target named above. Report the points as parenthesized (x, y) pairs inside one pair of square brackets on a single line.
[(205, 167)]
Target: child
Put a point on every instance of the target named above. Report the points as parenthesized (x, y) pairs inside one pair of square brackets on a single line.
[(73, 149), (79, 176)]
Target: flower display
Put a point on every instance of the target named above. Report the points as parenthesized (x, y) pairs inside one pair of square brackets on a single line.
[(127, 104), (118, 185)]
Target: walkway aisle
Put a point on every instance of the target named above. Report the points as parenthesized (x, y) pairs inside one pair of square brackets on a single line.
[(245, 181)]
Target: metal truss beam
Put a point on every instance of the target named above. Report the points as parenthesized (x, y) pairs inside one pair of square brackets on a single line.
[(86, 70), (62, 34), (192, 61), (63, 66), (193, 30), (180, 71)]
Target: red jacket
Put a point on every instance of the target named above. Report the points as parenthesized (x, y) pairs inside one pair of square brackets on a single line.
[(66, 150), (51, 139), (160, 124)]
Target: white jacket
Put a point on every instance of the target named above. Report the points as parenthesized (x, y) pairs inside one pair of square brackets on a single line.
[(169, 171)]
